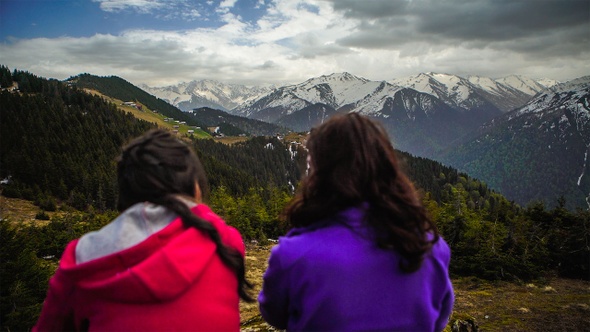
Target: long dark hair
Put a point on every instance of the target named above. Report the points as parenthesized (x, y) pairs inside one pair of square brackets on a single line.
[(351, 162), (157, 167)]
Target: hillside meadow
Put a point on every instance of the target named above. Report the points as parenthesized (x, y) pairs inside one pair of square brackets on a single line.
[(546, 304)]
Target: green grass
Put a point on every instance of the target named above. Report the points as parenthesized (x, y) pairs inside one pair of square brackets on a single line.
[(150, 116)]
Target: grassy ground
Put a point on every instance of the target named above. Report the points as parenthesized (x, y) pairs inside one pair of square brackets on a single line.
[(19, 210), (151, 116), (553, 305), (229, 140)]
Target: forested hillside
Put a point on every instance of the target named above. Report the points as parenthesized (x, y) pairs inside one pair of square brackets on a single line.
[(536, 152), (118, 88), (59, 143), (58, 146), (213, 117)]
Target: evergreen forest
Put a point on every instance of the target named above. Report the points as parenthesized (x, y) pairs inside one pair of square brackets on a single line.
[(58, 147), (233, 125)]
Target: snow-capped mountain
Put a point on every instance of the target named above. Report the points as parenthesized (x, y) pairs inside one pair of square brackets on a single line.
[(427, 112), (538, 151), (420, 123), (525, 84), (547, 82), (571, 96), (206, 93), (335, 90), (488, 96)]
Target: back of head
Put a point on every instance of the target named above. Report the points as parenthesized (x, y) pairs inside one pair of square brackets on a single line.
[(350, 157), (156, 165), (351, 162)]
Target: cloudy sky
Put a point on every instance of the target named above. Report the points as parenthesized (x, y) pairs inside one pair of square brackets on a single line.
[(253, 42)]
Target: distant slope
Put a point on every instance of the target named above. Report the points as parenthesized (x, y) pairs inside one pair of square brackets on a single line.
[(537, 152), (307, 117), (420, 123), (154, 117), (212, 117), (259, 162), (118, 88)]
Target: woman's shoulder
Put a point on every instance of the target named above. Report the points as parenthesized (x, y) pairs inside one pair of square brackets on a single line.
[(323, 238), (441, 250), (350, 218)]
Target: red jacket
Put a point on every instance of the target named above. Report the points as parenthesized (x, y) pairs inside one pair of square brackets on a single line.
[(171, 281)]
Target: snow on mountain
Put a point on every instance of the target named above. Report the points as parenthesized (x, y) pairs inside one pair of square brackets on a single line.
[(206, 93), (452, 89), (171, 94), (573, 96), (376, 101), (335, 90), (524, 84), (273, 106), (473, 92), (547, 82)]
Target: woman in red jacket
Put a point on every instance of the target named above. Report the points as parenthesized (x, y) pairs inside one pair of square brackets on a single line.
[(166, 263)]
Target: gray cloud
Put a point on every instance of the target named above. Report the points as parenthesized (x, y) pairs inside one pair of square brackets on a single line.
[(388, 24), (100, 55), (497, 20)]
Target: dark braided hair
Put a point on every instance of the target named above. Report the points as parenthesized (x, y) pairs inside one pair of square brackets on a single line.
[(158, 168), (352, 161)]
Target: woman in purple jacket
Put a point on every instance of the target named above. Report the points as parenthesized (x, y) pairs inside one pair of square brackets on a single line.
[(363, 253)]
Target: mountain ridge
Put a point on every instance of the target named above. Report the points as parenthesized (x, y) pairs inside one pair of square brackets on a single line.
[(227, 97), (205, 93), (543, 146)]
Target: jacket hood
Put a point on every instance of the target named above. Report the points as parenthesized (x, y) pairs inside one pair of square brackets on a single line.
[(159, 268)]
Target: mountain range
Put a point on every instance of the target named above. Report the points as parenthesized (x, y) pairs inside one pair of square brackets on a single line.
[(425, 113), (206, 93), (511, 132)]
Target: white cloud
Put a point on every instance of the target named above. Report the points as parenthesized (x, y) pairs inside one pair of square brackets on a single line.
[(259, 4), (227, 3), (142, 6), (185, 10)]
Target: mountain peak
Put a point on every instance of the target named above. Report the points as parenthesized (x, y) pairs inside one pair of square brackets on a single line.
[(344, 76)]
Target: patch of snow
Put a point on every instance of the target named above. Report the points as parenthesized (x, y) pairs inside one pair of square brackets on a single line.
[(582, 175), (524, 84)]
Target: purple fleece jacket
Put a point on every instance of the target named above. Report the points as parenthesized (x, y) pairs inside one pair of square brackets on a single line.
[(332, 277)]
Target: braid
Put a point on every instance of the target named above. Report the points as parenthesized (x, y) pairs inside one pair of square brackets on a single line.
[(157, 167), (228, 255)]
